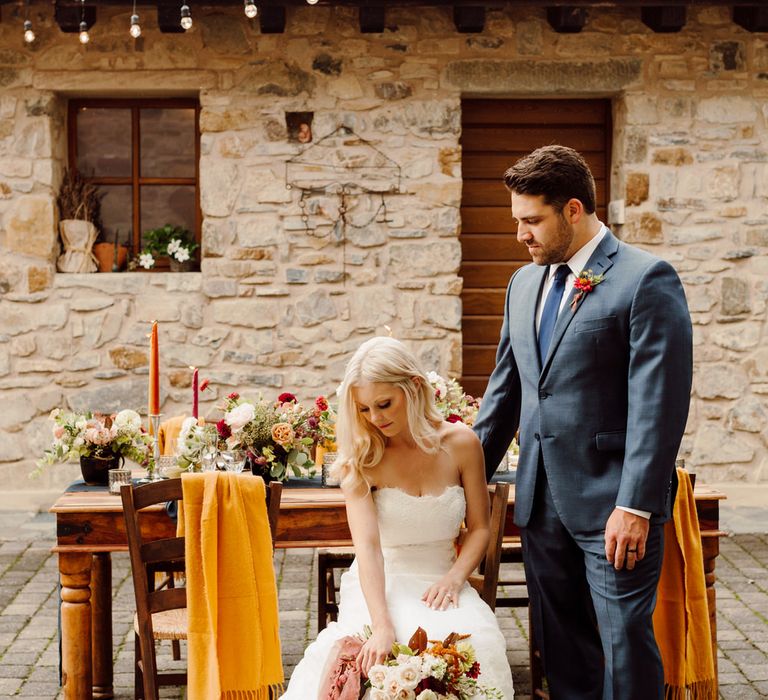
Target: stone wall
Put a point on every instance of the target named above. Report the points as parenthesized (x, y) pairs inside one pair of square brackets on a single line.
[(282, 300)]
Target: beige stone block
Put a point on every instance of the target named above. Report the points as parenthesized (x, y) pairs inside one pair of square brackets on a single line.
[(636, 190), (31, 227), (715, 445), (219, 186), (39, 278), (15, 167), (128, 357), (726, 110), (646, 228), (147, 82), (672, 156), (249, 313)]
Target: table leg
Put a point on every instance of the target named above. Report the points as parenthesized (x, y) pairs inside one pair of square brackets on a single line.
[(101, 610), (75, 576)]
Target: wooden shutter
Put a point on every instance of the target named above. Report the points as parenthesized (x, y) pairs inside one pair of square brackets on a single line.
[(495, 133)]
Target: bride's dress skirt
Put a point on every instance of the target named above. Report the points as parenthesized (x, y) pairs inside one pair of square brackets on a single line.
[(410, 568)]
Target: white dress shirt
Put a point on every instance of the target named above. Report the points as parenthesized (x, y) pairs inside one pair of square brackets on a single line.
[(576, 264)]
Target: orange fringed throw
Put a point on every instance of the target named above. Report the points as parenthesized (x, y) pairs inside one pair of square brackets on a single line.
[(681, 619), (233, 638)]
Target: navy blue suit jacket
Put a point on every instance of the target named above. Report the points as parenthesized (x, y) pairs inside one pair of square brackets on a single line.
[(606, 409)]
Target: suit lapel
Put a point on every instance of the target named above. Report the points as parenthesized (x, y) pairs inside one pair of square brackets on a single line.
[(599, 262), (534, 296)]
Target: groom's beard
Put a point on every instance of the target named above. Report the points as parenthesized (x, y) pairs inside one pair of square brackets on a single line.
[(555, 250)]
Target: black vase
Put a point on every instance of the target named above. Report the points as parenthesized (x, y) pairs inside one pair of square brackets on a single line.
[(96, 469), (261, 470)]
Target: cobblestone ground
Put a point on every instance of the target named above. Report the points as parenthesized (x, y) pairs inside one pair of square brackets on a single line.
[(29, 596)]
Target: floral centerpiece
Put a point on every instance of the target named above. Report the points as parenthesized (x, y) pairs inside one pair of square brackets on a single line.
[(92, 436), (428, 670), (323, 424), (451, 401), (278, 435)]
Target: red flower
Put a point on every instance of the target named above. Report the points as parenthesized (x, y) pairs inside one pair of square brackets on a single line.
[(321, 403), (584, 283), (223, 429), (454, 418), (474, 670), (234, 396), (204, 384), (287, 397)]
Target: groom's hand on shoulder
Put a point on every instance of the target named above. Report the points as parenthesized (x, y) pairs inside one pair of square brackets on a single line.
[(625, 536)]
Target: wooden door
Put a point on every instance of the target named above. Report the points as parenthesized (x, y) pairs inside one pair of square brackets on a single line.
[(495, 133)]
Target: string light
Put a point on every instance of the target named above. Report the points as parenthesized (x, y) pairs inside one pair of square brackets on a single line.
[(84, 36), (29, 35), (250, 9), (135, 29), (186, 17), (311, 2)]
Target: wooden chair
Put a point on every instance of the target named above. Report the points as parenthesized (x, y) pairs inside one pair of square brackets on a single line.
[(162, 613), (331, 560)]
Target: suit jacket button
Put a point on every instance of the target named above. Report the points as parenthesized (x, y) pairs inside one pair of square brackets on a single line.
[(536, 437)]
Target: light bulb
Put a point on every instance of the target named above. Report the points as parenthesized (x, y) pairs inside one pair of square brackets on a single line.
[(311, 2), (29, 35), (186, 17), (84, 36), (250, 9), (135, 27)]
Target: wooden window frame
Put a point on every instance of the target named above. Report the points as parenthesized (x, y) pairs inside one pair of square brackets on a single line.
[(135, 180)]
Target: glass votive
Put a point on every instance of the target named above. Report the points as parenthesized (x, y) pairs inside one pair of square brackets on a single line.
[(232, 460), (168, 466), (327, 480), (118, 477)]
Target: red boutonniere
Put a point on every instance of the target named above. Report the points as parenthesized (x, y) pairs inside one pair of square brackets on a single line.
[(585, 283)]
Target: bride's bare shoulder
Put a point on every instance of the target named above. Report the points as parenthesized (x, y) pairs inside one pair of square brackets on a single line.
[(458, 436)]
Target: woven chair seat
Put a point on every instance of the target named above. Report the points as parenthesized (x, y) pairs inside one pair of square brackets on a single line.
[(168, 624)]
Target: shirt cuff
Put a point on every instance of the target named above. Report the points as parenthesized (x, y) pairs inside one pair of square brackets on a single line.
[(642, 513)]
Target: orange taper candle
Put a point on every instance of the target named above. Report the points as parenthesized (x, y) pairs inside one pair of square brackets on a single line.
[(154, 372)]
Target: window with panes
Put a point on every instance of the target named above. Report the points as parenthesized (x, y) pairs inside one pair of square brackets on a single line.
[(143, 155)]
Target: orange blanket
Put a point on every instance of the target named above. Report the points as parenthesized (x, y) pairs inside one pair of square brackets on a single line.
[(681, 619), (233, 638)]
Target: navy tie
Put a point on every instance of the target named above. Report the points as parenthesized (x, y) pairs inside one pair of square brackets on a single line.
[(551, 309)]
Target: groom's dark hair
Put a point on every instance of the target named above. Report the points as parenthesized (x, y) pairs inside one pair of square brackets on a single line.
[(557, 173)]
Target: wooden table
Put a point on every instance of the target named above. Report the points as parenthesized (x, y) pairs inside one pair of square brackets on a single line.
[(90, 526)]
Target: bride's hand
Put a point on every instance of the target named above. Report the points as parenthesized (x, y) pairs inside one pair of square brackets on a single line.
[(442, 594), (376, 649)]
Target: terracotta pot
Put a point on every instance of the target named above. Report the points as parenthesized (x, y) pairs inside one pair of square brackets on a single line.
[(105, 254), (96, 469)]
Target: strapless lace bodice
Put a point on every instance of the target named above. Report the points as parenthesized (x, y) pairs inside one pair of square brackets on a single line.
[(418, 532), (405, 519)]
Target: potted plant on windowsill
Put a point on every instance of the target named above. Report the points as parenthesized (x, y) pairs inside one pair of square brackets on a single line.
[(79, 204), (174, 242)]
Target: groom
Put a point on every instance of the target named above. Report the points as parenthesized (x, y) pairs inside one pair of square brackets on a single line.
[(594, 368)]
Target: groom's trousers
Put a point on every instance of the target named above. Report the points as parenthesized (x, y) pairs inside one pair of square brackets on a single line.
[(592, 624)]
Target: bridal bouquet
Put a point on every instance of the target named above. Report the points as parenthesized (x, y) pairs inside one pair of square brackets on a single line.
[(278, 435), (451, 401), (429, 670)]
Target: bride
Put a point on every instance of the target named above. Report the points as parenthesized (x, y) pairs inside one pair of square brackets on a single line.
[(409, 480)]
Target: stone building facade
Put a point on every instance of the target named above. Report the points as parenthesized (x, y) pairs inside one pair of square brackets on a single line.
[(280, 300)]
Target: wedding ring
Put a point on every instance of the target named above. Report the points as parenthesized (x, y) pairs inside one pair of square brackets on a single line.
[(631, 551)]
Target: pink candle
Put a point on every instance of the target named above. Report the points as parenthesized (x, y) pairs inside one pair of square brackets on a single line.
[(194, 391)]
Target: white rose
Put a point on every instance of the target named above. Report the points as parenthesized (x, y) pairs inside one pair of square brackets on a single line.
[(81, 424), (405, 694), (377, 694), (407, 676), (78, 442), (128, 420), (239, 416), (427, 695), (378, 675)]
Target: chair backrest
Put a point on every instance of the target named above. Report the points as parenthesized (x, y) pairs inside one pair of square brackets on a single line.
[(486, 583), (147, 556)]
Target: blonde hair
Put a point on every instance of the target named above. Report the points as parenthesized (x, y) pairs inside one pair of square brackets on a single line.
[(360, 444)]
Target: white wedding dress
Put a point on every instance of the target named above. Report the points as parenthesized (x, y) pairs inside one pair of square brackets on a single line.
[(417, 540)]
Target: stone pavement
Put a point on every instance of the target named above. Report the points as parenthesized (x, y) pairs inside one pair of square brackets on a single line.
[(28, 613)]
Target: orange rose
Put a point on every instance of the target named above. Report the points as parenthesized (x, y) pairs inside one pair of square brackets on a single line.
[(282, 434)]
